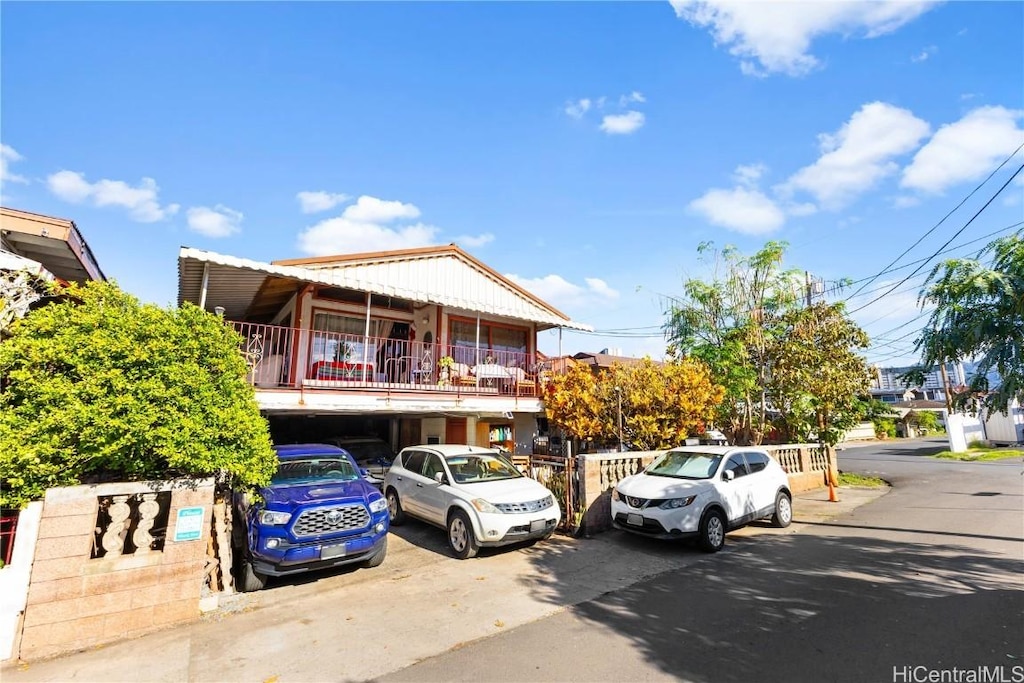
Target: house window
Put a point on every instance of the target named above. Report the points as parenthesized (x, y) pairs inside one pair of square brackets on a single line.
[(337, 335), (503, 345)]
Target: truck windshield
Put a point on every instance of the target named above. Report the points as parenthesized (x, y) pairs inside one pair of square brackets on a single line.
[(306, 470)]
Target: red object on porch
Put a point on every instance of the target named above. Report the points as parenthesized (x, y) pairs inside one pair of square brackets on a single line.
[(8, 528), (325, 369)]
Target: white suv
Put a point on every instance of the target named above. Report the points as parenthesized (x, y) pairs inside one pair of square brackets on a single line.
[(475, 493), (701, 492)]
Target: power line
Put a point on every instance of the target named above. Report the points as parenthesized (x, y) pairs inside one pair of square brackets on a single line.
[(955, 235), (934, 227), (911, 263)]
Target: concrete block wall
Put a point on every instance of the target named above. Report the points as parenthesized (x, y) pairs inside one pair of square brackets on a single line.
[(75, 602)]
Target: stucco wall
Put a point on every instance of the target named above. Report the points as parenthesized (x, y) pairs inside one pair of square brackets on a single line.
[(76, 602)]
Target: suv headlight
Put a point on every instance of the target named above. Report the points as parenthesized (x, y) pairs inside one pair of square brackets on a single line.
[(378, 505), (483, 506), (676, 502), (274, 518)]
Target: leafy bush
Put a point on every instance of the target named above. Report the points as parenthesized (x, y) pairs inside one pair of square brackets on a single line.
[(100, 384), (885, 428)]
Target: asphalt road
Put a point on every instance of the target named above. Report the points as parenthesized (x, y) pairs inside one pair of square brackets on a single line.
[(928, 578)]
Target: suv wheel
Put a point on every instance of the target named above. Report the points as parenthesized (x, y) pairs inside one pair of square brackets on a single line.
[(711, 535), (460, 536), (394, 507), (783, 510)]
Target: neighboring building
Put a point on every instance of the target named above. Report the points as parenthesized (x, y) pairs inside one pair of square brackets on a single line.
[(35, 250), (412, 346), (29, 240), (887, 386), (603, 360)]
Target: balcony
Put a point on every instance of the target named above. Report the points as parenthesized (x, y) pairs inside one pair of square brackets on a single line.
[(283, 358)]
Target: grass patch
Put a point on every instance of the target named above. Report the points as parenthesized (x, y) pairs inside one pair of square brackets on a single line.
[(851, 479), (975, 454)]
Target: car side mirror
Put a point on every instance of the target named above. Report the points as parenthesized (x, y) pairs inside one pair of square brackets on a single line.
[(439, 477), (521, 468), (728, 475), (365, 472)]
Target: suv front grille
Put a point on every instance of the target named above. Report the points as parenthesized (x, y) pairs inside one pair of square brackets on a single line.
[(531, 506), (327, 520)]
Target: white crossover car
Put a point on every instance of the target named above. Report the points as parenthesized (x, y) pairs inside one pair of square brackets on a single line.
[(474, 493), (701, 492)]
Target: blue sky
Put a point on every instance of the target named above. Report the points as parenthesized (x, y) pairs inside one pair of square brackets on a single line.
[(584, 149)]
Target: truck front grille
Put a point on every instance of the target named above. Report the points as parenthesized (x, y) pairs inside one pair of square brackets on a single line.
[(328, 520)]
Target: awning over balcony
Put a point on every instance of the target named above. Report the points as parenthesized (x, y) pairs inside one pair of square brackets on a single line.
[(445, 276)]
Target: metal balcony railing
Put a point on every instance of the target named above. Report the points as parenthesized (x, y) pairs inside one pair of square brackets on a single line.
[(290, 358)]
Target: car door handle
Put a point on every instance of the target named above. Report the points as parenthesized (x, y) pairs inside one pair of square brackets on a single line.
[(419, 486)]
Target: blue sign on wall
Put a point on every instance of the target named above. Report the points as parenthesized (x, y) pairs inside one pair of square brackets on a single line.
[(189, 526)]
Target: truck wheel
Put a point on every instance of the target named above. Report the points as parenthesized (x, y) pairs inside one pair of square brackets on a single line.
[(395, 507), (378, 557), (460, 536), (249, 579)]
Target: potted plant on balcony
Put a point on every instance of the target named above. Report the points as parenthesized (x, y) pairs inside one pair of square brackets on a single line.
[(444, 370)]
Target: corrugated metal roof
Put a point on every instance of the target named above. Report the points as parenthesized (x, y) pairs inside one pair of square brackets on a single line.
[(445, 276)]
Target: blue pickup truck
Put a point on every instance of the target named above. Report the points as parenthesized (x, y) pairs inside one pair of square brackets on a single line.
[(317, 512)]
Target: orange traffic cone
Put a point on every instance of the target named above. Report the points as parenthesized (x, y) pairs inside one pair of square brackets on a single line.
[(832, 484)]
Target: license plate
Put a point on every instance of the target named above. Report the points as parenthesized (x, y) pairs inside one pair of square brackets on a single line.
[(329, 551), (538, 525), (635, 520)]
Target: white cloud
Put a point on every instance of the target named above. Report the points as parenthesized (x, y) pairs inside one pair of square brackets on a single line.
[(635, 96), (924, 54), (372, 210), (578, 108), (859, 154), (363, 226), (775, 37), (220, 221), (965, 150), (622, 124), (561, 293), (474, 241), (142, 201), (750, 174), (8, 155), (314, 202), (744, 210)]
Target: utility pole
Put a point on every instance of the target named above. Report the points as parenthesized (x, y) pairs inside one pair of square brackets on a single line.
[(945, 388), (618, 396), (807, 281)]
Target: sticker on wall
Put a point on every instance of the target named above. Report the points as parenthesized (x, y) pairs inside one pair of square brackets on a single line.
[(189, 525)]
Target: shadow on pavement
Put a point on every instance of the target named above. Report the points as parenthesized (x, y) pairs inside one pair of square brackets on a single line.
[(801, 607)]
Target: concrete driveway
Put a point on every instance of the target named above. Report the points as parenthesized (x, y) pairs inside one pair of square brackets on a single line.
[(359, 624)]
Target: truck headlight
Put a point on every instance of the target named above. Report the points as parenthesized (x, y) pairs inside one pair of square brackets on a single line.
[(484, 506), (378, 505), (274, 518), (676, 502)]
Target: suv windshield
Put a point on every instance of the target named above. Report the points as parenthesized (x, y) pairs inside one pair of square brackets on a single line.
[(684, 465), (310, 470), (476, 467)]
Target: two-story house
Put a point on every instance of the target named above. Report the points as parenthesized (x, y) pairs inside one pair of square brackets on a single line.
[(412, 346)]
